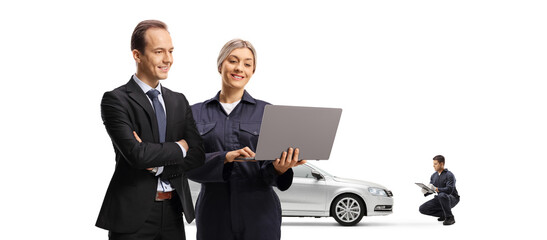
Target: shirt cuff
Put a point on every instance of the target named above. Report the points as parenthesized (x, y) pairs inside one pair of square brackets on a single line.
[(183, 150), (159, 170)]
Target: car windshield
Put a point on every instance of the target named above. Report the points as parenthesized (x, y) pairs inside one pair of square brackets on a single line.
[(321, 170)]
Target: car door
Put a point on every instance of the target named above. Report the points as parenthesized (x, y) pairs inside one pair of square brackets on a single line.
[(306, 196)]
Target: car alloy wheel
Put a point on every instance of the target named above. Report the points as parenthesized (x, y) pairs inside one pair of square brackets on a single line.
[(348, 209)]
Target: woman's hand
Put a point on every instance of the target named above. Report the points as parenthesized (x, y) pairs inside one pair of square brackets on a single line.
[(245, 152), (288, 160)]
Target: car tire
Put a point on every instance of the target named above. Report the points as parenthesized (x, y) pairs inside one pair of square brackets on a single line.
[(348, 209)]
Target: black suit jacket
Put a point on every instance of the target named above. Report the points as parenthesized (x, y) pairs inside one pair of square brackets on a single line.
[(132, 190)]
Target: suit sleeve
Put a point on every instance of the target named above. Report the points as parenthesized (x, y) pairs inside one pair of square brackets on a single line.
[(195, 155), (120, 129)]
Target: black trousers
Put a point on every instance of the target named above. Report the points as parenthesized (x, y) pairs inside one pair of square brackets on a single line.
[(440, 206), (164, 223)]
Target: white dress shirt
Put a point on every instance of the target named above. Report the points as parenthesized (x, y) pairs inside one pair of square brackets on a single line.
[(162, 186)]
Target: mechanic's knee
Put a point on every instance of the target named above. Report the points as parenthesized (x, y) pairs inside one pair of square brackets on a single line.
[(423, 209), (442, 196)]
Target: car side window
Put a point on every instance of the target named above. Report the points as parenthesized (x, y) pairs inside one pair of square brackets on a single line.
[(302, 171)]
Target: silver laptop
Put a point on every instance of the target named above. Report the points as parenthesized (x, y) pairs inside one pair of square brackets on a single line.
[(310, 129)]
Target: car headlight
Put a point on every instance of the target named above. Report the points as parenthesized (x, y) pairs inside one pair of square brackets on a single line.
[(377, 191)]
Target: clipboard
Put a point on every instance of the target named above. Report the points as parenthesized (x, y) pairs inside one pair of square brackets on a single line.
[(423, 186)]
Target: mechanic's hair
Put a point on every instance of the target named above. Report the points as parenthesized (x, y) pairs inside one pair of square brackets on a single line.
[(137, 39), (439, 158), (230, 46)]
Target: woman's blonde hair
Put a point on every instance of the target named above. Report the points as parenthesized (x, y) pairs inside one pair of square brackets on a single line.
[(230, 46)]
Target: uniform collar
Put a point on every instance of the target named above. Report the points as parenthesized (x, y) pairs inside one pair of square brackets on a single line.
[(246, 98), (444, 171)]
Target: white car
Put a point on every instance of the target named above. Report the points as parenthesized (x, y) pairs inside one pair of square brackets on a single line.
[(315, 193)]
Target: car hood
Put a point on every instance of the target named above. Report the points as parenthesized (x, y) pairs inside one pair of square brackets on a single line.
[(359, 182)]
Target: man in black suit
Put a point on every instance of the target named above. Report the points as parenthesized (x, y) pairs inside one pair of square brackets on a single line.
[(149, 190)]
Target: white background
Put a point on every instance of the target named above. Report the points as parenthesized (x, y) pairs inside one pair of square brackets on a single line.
[(415, 78)]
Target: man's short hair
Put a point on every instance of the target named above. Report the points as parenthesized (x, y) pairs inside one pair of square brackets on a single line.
[(137, 39), (439, 158)]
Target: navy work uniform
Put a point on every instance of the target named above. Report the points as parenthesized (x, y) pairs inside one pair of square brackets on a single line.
[(442, 204), (237, 200)]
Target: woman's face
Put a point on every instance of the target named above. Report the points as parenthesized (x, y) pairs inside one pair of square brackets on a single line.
[(237, 68)]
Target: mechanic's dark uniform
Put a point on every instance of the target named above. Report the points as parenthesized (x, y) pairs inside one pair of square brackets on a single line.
[(441, 205), (236, 200)]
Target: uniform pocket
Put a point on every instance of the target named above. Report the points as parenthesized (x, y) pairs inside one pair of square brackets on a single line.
[(207, 132), (251, 128), (205, 128), (248, 134)]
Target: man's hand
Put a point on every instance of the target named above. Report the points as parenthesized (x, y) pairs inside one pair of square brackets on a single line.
[(433, 187), (244, 152), (140, 141), (184, 144), (288, 160), (137, 137)]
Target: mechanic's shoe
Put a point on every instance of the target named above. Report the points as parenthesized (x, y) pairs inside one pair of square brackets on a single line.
[(449, 221)]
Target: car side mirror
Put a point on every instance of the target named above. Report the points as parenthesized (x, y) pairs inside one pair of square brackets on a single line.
[(316, 175)]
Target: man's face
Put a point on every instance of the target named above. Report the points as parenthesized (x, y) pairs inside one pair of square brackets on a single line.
[(154, 64), (438, 166)]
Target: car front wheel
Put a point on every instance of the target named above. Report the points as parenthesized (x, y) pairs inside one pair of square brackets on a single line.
[(348, 209)]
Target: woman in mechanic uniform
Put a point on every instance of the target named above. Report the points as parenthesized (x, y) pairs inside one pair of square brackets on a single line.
[(237, 200)]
